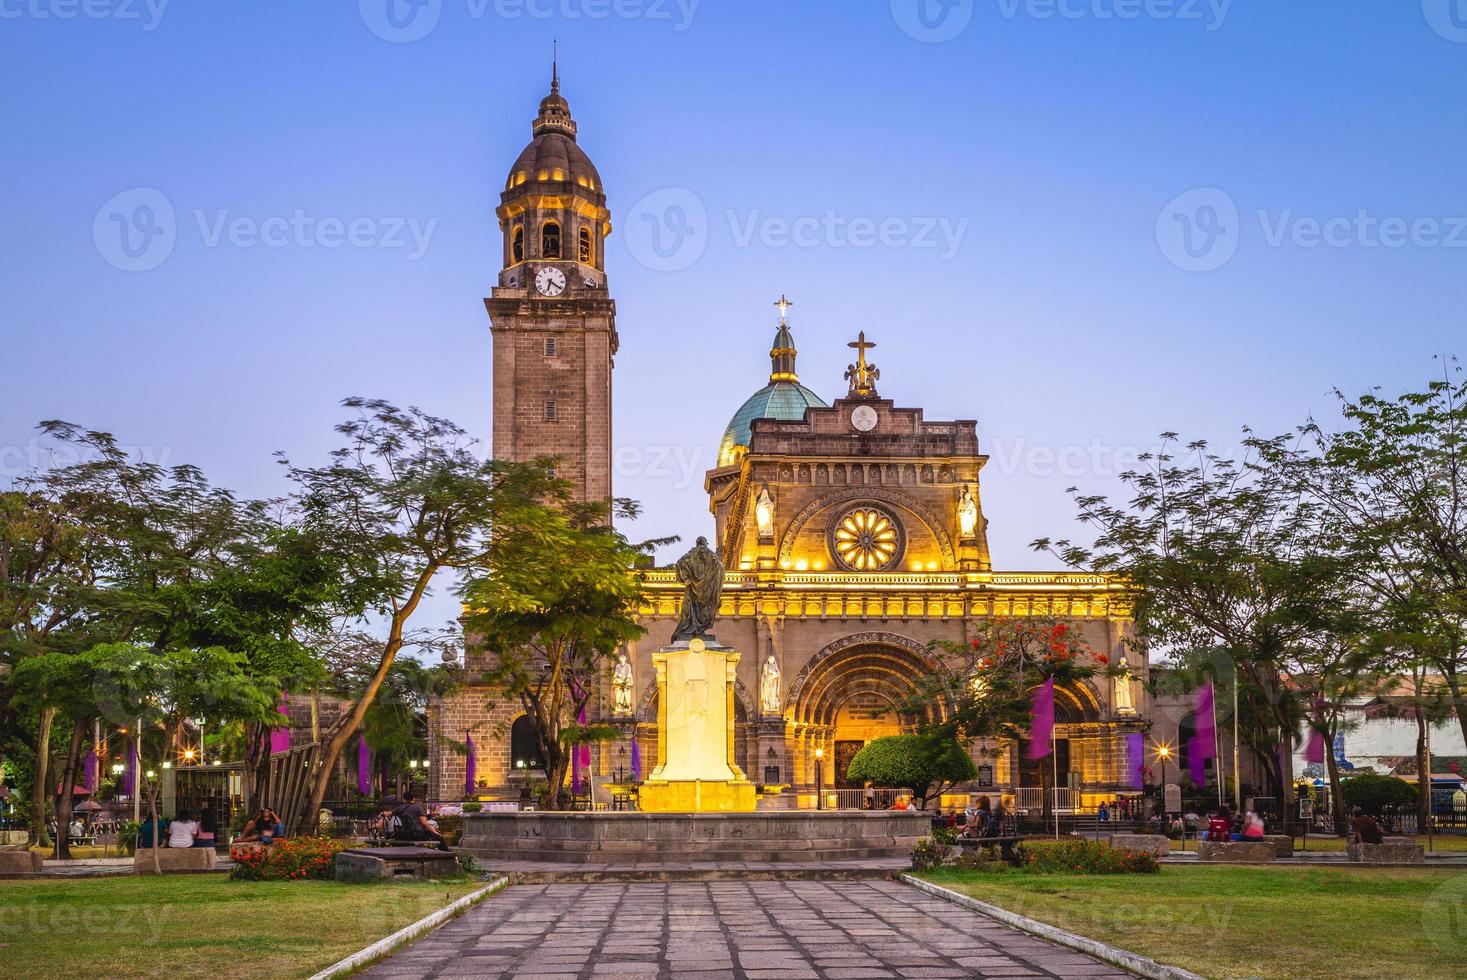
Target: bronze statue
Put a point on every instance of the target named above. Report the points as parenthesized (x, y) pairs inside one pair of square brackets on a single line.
[(702, 573)]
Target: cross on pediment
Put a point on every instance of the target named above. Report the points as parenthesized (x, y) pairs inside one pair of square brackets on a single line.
[(862, 375)]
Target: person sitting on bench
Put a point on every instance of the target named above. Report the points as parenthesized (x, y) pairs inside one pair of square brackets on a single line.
[(413, 823), (1366, 830)]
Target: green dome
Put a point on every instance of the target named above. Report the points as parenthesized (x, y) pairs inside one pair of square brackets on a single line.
[(785, 400)]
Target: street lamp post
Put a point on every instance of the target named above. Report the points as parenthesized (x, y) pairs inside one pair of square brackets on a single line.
[(819, 779), (1163, 752)]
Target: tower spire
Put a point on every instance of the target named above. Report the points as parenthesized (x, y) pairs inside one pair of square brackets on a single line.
[(555, 65), (782, 353)]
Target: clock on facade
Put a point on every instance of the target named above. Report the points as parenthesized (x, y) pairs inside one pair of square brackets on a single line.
[(550, 282), (864, 418)]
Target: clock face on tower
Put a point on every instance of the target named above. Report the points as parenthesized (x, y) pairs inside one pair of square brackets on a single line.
[(550, 282)]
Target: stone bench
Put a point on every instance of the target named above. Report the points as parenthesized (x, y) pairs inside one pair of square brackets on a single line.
[(367, 864), (1283, 844), (20, 862), (175, 860), (1395, 850), (1236, 852), (1156, 844)]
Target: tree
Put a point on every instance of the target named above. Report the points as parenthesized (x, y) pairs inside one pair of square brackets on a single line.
[(1373, 793), (927, 764), (555, 597), (403, 500), (45, 573), (1220, 553), (1394, 480)]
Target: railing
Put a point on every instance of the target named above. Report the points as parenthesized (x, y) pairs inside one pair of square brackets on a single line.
[(855, 799), (1032, 798)]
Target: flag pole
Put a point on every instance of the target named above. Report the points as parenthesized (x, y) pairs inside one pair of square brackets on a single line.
[(1237, 773)]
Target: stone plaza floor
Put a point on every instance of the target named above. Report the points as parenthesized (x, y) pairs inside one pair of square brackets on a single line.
[(724, 930)]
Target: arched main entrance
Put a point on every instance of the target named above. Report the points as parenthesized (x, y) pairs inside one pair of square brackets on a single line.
[(850, 693)]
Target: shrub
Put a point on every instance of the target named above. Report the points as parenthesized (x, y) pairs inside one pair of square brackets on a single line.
[(915, 762), (1085, 857), (289, 859), (928, 854), (1373, 793), (127, 836), (473, 808)]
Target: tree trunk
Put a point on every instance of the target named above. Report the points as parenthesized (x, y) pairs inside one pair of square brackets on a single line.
[(1423, 776), (40, 795), (68, 783), (353, 721), (257, 765), (157, 830)]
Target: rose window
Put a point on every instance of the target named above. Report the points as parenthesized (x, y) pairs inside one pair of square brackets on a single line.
[(866, 539)]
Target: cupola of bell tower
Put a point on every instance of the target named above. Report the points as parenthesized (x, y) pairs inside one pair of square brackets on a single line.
[(553, 209)]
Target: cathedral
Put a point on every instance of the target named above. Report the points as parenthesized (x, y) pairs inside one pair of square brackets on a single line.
[(851, 530)]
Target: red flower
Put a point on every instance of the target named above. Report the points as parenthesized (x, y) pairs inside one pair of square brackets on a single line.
[(1102, 658)]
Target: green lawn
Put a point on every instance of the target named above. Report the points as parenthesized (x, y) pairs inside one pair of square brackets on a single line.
[(1228, 922), (1441, 842), (204, 925)]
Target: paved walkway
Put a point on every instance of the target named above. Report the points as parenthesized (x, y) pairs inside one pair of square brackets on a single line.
[(780, 930)]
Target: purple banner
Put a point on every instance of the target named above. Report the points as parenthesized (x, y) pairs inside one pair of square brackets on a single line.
[(1204, 744), (636, 759), (89, 772), (280, 737), (1135, 759), (130, 778), (471, 767), (364, 766), (1041, 734)]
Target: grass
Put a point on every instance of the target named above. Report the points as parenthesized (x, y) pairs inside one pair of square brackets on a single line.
[(1455, 843), (1233, 922), (178, 925)]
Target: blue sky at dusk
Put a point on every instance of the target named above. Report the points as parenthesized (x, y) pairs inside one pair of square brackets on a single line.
[(1080, 222)]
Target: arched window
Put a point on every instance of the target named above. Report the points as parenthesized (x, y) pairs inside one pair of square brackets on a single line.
[(518, 249), (523, 748), (586, 246), (550, 241)]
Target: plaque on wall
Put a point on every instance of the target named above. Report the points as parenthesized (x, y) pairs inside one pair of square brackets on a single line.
[(985, 777), (771, 775)]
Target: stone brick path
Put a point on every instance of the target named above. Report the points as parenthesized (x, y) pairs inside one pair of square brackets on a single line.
[(723, 930)]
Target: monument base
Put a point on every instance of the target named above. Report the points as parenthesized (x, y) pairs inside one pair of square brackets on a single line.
[(697, 796)]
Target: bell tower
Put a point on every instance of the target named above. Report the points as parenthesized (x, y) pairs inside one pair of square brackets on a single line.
[(552, 318)]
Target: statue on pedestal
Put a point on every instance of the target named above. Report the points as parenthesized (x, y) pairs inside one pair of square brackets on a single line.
[(621, 687), (769, 688), (1123, 703), (701, 572)]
